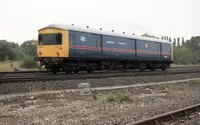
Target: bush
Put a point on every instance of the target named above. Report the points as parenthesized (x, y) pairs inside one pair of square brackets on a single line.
[(28, 62)]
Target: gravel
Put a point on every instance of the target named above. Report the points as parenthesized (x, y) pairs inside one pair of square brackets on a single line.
[(74, 109), (8, 88), (193, 119)]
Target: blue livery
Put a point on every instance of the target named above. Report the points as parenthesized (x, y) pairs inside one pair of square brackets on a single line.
[(88, 45)]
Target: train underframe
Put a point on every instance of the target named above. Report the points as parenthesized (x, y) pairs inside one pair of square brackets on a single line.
[(75, 65)]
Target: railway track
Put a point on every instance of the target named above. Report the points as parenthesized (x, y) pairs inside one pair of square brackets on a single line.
[(98, 75), (157, 120), (20, 72), (37, 71)]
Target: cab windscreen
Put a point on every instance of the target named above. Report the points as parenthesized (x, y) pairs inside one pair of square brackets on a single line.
[(50, 39)]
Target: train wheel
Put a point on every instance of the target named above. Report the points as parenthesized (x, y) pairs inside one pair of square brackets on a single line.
[(153, 69), (68, 72), (76, 71), (163, 68), (89, 70)]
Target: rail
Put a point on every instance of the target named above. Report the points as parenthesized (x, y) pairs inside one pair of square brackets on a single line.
[(99, 75), (168, 116)]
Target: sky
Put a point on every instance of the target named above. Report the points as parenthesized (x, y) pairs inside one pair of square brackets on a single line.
[(21, 19)]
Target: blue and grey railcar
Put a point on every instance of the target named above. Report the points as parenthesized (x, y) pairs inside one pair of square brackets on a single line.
[(90, 50)]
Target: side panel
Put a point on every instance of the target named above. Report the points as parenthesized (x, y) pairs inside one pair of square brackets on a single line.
[(166, 51), (147, 50), (84, 45), (118, 48), (54, 50)]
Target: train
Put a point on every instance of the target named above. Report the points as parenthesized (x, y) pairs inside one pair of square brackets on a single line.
[(69, 48)]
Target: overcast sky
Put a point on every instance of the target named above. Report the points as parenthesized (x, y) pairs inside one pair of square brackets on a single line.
[(21, 19)]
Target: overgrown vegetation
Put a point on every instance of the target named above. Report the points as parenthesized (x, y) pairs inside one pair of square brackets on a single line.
[(188, 52), (24, 53), (119, 96), (28, 62)]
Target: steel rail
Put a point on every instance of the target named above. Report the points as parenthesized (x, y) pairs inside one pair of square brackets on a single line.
[(43, 71), (18, 72), (89, 76), (168, 116)]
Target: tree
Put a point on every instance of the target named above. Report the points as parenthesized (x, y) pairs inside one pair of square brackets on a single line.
[(151, 36), (29, 47), (170, 40), (182, 55), (174, 42), (178, 41), (183, 41), (194, 43), (6, 50)]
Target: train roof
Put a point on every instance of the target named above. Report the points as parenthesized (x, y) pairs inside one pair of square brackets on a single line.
[(102, 32)]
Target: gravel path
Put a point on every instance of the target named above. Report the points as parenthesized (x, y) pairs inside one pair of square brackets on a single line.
[(54, 85), (73, 109)]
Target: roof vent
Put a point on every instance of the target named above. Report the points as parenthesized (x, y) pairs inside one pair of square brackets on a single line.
[(100, 28), (133, 33), (123, 32), (87, 26), (72, 24), (112, 30)]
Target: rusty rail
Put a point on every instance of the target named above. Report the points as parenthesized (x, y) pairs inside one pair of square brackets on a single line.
[(168, 116)]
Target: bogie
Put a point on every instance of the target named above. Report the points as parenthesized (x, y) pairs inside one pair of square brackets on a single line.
[(89, 66)]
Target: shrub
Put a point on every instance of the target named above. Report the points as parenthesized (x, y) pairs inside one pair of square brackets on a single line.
[(28, 62), (110, 97), (121, 97)]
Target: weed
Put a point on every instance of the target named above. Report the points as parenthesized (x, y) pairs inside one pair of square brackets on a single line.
[(119, 96)]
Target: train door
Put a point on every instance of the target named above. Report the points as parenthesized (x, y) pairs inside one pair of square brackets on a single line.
[(72, 43), (99, 45), (160, 51), (133, 49)]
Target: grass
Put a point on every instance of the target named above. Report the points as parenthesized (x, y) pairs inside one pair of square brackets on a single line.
[(173, 87), (6, 66), (193, 80), (119, 96), (178, 65)]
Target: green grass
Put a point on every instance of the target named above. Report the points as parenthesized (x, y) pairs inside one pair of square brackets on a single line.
[(119, 96), (193, 81), (177, 65), (5, 66)]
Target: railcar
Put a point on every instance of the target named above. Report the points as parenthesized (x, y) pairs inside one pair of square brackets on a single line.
[(71, 48)]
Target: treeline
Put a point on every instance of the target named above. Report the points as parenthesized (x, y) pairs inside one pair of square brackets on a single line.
[(176, 41), (26, 52), (188, 52)]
